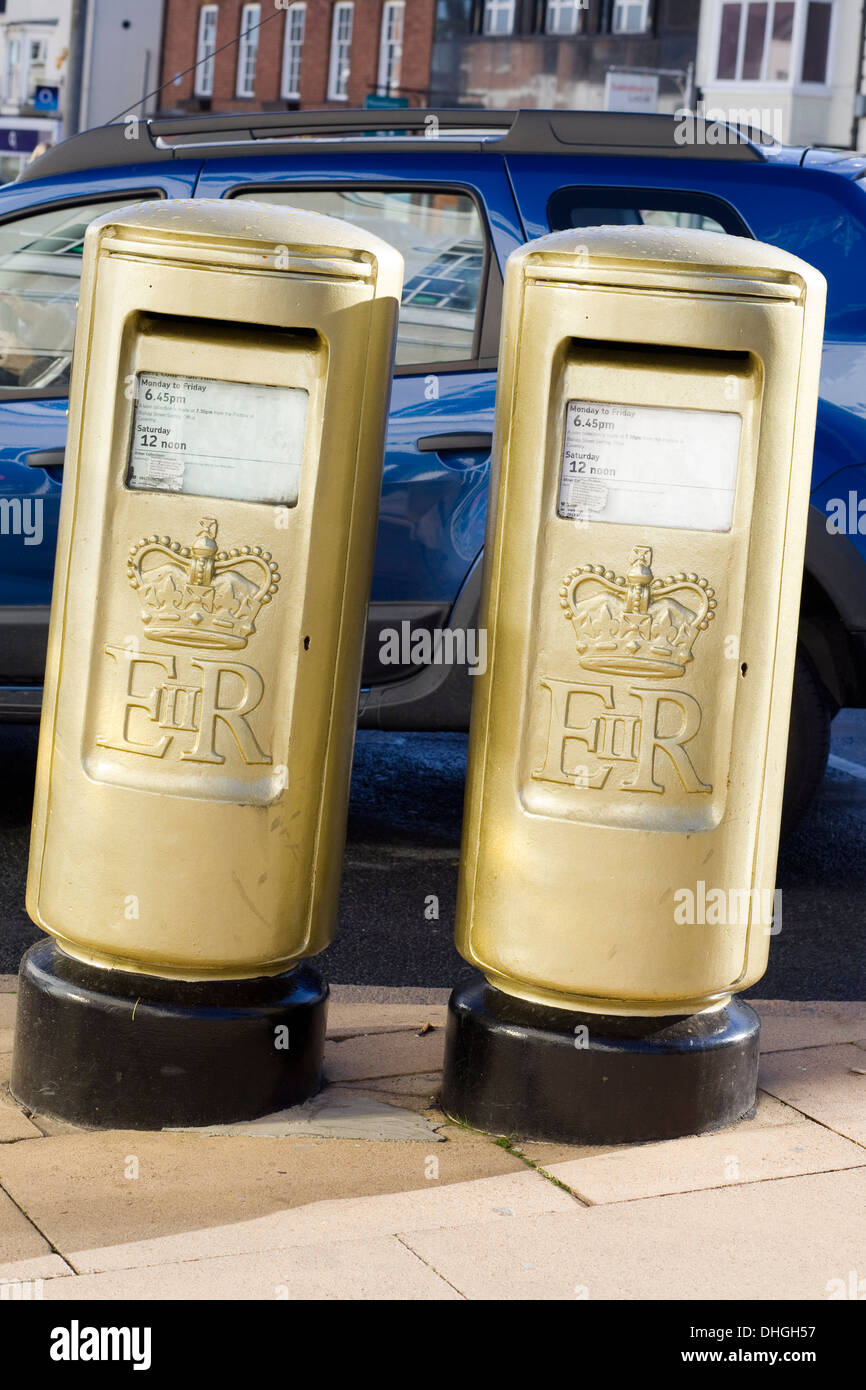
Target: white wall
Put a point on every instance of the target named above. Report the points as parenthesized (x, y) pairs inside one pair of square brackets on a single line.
[(122, 58), (801, 114)]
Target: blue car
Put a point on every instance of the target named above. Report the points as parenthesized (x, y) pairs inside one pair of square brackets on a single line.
[(456, 191)]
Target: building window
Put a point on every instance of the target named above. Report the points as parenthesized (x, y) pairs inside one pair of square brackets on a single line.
[(293, 44), (563, 16), (756, 41), (816, 44), (499, 16), (391, 47), (630, 16), (13, 65), (204, 60), (38, 61), (341, 47), (248, 51)]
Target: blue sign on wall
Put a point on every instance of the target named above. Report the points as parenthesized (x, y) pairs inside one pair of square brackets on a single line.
[(46, 99)]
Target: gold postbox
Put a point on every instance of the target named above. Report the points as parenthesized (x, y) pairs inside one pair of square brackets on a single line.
[(231, 378), (654, 430)]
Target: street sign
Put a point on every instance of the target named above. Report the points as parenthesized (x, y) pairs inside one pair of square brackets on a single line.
[(630, 91), (46, 99), (19, 139), (372, 102)]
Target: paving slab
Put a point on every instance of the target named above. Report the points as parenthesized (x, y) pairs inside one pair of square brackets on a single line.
[(420, 1104), (825, 1083), (788, 1239), (186, 1182), (380, 1268), (8, 1005), (384, 1054), (347, 1020), (422, 1083), (335, 1113), (496, 1199), (804, 1023), (768, 1112), (709, 1160), (14, 1124), (19, 1238), (36, 1269)]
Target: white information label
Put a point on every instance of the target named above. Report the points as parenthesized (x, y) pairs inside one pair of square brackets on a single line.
[(647, 465), (209, 438)]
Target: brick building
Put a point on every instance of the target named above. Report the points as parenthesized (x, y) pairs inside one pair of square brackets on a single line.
[(278, 55), (558, 53)]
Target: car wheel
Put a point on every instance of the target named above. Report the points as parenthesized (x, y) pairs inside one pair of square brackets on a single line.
[(808, 742)]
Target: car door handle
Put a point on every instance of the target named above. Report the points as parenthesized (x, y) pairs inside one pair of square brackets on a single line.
[(461, 443), (46, 458)]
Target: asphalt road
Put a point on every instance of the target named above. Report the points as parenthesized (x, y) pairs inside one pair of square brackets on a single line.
[(402, 849)]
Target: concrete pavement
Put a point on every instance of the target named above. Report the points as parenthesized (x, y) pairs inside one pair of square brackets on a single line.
[(370, 1193)]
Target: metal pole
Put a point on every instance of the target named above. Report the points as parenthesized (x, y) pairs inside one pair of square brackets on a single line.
[(77, 43)]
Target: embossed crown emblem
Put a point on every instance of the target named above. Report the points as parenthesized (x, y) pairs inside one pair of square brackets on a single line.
[(634, 624), (198, 596)]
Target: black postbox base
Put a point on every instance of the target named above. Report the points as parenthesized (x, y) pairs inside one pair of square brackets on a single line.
[(533, 1072), (109, 1049)]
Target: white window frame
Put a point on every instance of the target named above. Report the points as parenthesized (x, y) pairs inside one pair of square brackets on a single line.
[(12, 68), (798, 40), (293, 46), (208, 18), (621, 8), (340, 62), (248, 50), (493, 11), (571, 11), (391, 47)]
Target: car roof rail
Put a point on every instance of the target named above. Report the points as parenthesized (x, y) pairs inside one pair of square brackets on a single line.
[(624, 132), (527, 131)]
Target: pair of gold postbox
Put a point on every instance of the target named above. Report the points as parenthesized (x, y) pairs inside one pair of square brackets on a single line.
[(655, 414)]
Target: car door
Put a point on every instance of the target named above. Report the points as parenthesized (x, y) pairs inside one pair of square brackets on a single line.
[(454, 219), (42, 226)]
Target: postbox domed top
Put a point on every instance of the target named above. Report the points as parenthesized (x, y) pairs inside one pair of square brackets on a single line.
[(678, 250), (242, 224)]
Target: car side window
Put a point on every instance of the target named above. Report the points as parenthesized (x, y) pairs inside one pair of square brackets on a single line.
[(40, 269), (634, 207), (442, 239)]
